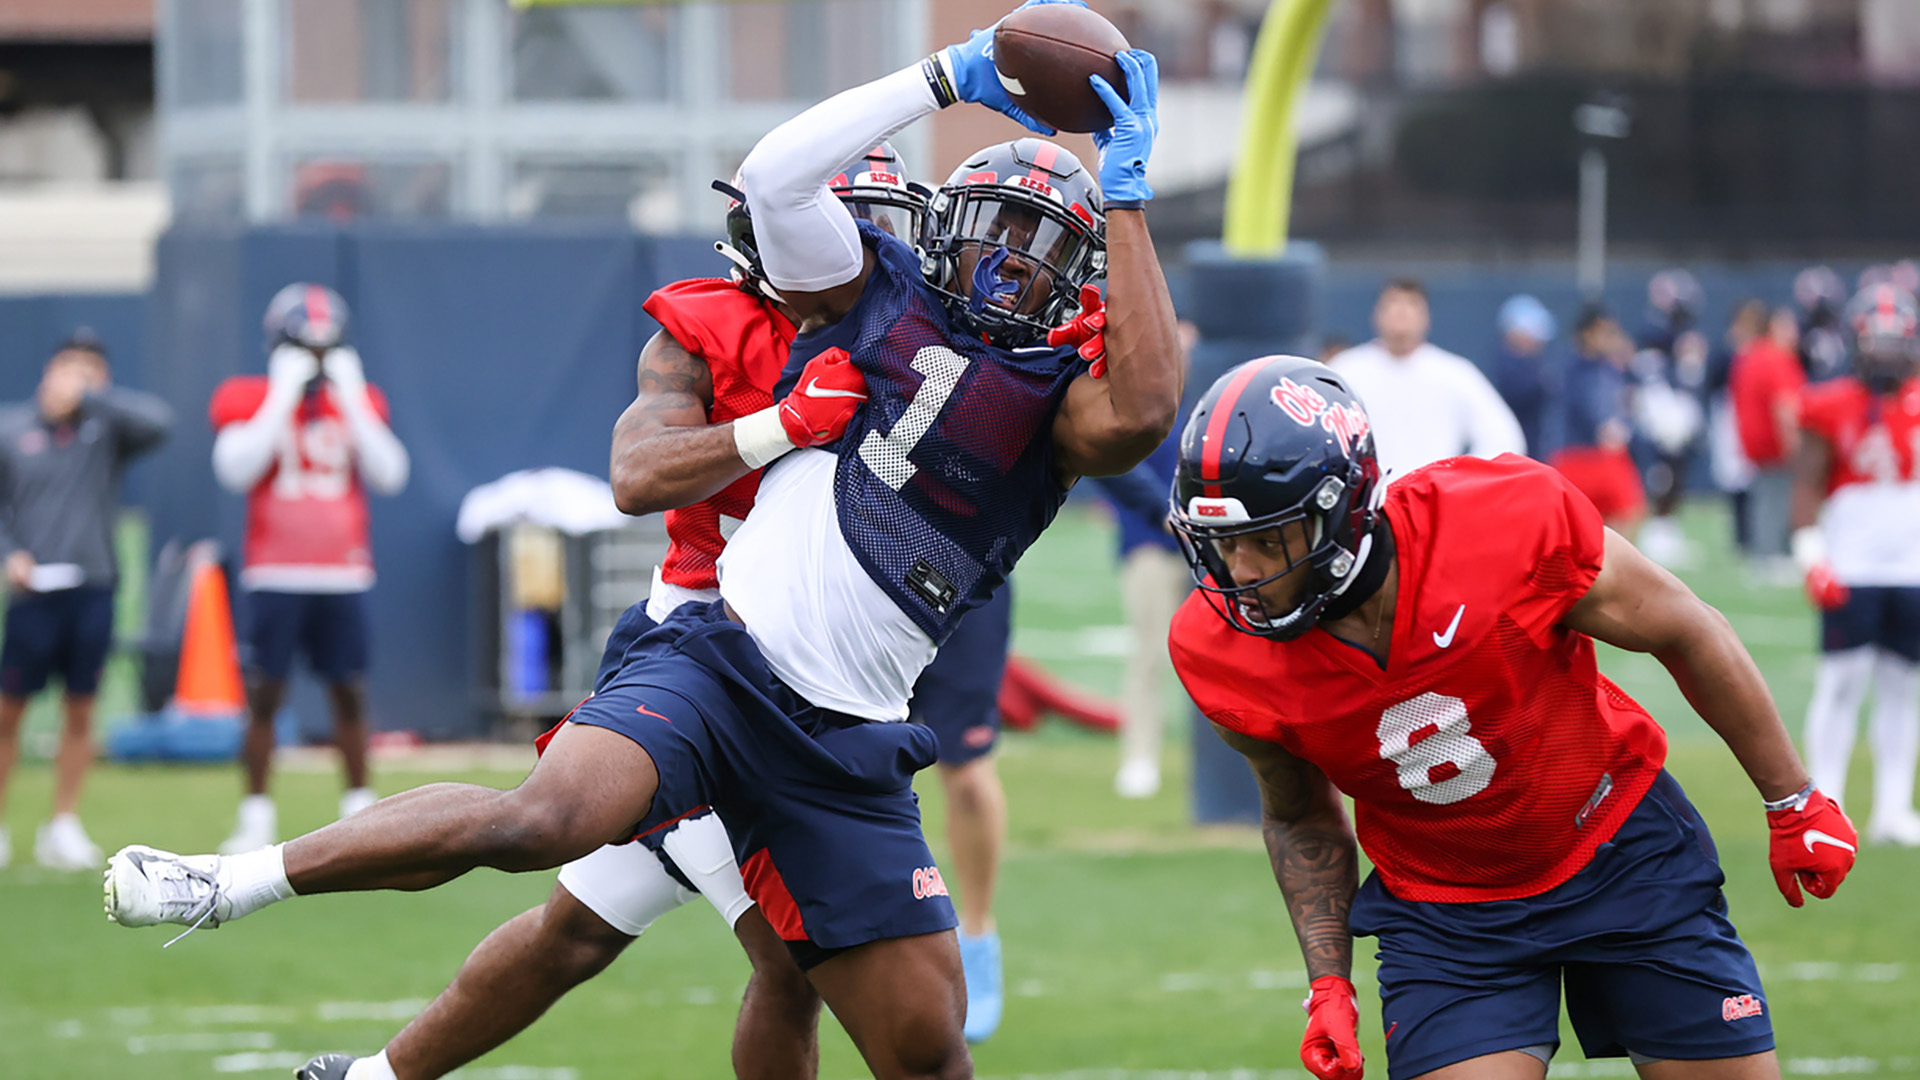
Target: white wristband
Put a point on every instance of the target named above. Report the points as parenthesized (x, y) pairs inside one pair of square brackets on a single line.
[(1809, 547), (760, 437)]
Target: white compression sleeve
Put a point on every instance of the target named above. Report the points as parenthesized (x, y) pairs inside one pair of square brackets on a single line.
[(806, 237), (700, 848), (242, 452), (377, 452)]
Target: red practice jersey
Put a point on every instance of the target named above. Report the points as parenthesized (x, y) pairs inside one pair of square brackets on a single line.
[(744, 341), (1491, 757), (307, 516), (1872, 515), (1874, 439)]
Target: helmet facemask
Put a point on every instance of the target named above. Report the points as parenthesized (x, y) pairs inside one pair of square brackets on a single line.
[(1009, 261), (1331, 556)]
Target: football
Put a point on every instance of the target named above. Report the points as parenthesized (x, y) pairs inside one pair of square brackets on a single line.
[(1043, 55)]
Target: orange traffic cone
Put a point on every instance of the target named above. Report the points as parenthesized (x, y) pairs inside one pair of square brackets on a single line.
[(209, 680)]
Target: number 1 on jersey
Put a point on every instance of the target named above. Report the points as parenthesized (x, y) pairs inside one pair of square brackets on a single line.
[(887, 454)]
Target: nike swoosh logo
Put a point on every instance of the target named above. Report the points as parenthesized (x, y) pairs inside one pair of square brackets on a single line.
[(1446, 639), (644, 711), (1815, 836), (814, 390)]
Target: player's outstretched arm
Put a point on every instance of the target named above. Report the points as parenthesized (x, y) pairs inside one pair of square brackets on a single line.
[(1109, 425), (1317, 864), (1636, 605)]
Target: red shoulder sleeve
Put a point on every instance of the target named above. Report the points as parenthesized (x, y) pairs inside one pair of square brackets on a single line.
[(1824, 407), (710, 316), (1513, 526), (236, 400)]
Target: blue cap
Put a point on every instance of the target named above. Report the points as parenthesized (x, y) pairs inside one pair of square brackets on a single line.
[(1529, 316)]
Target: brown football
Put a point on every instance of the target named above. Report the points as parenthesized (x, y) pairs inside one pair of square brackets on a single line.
[(1044, 54)]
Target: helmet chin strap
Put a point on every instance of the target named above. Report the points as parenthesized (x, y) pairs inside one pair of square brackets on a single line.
[(743, 271), (1370, 565)]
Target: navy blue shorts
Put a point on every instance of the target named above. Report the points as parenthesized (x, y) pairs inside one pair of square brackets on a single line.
[(820, 805), (330, 629), (958, 695), (1640, 938), (68, 632), (1885, 616)]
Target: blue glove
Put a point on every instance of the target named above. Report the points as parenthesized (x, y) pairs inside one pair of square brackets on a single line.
[(969, 74), (1125, 147)]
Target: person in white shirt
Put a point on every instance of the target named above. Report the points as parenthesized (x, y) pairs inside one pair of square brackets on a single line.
[(1426, 403)]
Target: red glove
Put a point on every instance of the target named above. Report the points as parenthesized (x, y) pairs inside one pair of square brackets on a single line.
[(1331, 1049), (823, 402), (1826, 591), (1088, 330), (1812, 846)]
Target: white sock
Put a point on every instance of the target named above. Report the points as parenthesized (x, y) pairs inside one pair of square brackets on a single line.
[(1839, 688), (257, 812), (253, 880), (1896, 735), (373, 1068)]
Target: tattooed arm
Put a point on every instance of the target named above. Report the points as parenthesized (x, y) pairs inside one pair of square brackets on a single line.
[(1314, 856), (665, 453)]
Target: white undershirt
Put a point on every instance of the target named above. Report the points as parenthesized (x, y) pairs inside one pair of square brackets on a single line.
[(826, 628), (1428, 405), (1873, 533)]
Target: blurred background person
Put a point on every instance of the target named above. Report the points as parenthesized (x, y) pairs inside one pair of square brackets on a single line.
[(1594, 457), (1765, 388), (1153, 583), (1669, 377), (1425, 402), (1732, 471), (305, 444), (62, 457), (1519, 367), (1820, 295), (1856, 516)]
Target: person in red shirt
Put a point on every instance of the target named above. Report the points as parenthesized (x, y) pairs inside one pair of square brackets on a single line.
[(1764, 386), (1427, 649), (1856, 538), (305, 444)]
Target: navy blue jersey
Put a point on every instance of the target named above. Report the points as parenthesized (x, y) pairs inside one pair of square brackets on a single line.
[(947, 473)]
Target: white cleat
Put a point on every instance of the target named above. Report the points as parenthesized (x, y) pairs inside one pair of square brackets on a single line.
[(352, 801), (1902, 830), (148, 887), (62, 844), (1137, 779), (258, 826), (6, 847)]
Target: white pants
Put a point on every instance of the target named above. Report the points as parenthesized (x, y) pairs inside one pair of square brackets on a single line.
[(628, 886), (1839, 690), (1153, 583)]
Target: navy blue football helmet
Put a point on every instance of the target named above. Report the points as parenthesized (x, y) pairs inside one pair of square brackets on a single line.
[(1277, 440), (306, 314), (1014, 219), (1886, 330)]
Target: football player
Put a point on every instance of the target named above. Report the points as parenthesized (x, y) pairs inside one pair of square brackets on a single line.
[(1427, 649), (305, 445), (1856, 518), (953, 432)]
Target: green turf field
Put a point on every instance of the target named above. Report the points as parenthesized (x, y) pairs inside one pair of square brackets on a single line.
[(1137, 947)]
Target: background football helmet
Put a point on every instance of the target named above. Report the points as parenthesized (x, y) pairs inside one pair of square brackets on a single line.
[(1886, 334), (1014, 218), (1277, 440), (875, 188), (306, 314)]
